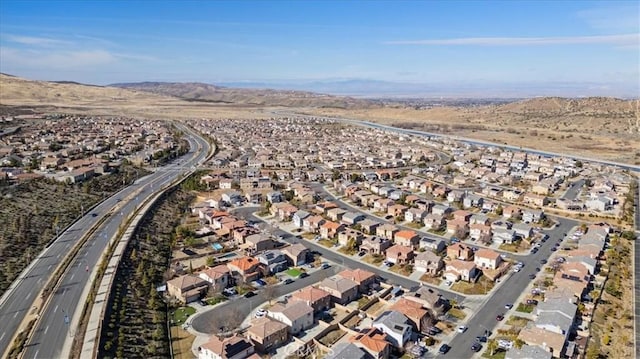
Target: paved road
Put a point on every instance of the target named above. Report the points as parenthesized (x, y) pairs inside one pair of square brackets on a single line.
[(54, 328), (236, 309), (508, 292)]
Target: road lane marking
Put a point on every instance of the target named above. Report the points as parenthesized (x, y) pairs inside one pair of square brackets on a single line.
[(72, 276), (50, 265), (55, 309), (15, 315), (2, 336), (45, 329), (36, 355)]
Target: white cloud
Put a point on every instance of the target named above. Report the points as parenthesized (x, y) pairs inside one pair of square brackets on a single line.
[(34, 40), (620, 40), (12, 58)]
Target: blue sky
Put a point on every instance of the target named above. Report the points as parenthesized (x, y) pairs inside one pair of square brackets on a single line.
[(584, 43)]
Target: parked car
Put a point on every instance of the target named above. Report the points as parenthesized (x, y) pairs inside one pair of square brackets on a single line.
[(249, 294), (481, 339), (325, 265), (532, 276), (261, 313), (361, 253), (288, 281), (462, 329), (261, 282), (444, 348), (500, 317), (303, 275), (508, 306), (532, 302), (476, 347), (229, 291)]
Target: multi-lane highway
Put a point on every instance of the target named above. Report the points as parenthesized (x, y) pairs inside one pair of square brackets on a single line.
[(54, 329)]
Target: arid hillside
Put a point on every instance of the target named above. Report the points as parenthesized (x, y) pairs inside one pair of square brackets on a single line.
[(597, 127), (194, 91)]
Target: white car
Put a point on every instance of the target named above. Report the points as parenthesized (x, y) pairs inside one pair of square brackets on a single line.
[(261, 313), (462, 329)]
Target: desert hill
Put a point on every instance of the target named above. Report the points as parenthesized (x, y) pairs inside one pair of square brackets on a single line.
[(195, 91)]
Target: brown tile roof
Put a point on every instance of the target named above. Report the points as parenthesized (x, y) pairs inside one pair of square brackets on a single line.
[(310, 294), (221, 346), (357, 275), (373, 339), (244, 263), (264, 327)]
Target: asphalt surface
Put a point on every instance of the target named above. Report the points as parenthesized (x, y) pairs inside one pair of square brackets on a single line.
[(238, 307), (507, 293), (53, 327)]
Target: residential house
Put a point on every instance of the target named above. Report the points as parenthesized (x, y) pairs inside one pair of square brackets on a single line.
[(399, 254), (299, 217), (275, 197), (335, 214), (330, 229), (461, 215), (407, 238), (441, 210), (556, 315), (234, 347), (472, 200), (348, 236), (502, 235), (312, 223), (248, 267), (434, 221), (267, 334), (480, 232), (487, 258), (435, 245), (511, 212), (553, 342), (528, 352), (396, 326), (258, 242), (429, 263), (429, 298), (343, 350), (374, 341), (363, 278), (342, 290), (296, 253), (369, 226), (574, 276), (460, 251), (217, 277), (460, 270), (415, 215), (417, 315), (387, 231), (375, 245), (457, 228), (532, 215), (274, 260), (397, 210), (187, 288), (523, 230), (297, 315), (479, 219), (314, 297), (351, 218)]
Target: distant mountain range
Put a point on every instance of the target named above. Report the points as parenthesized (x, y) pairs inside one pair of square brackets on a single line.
[(201, 92), (384, 89)]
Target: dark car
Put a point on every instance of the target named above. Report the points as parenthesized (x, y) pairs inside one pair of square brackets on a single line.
[(532, 276), (481, 339), (554, 249), (249, 294), (288, 281), (532, 302), (303, 275), (476, 347), (94, 215), (543, 261), (444, 348), (500, 317), (361, 253)]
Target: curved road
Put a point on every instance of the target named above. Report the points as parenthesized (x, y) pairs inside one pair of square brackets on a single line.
[(54, 328)]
